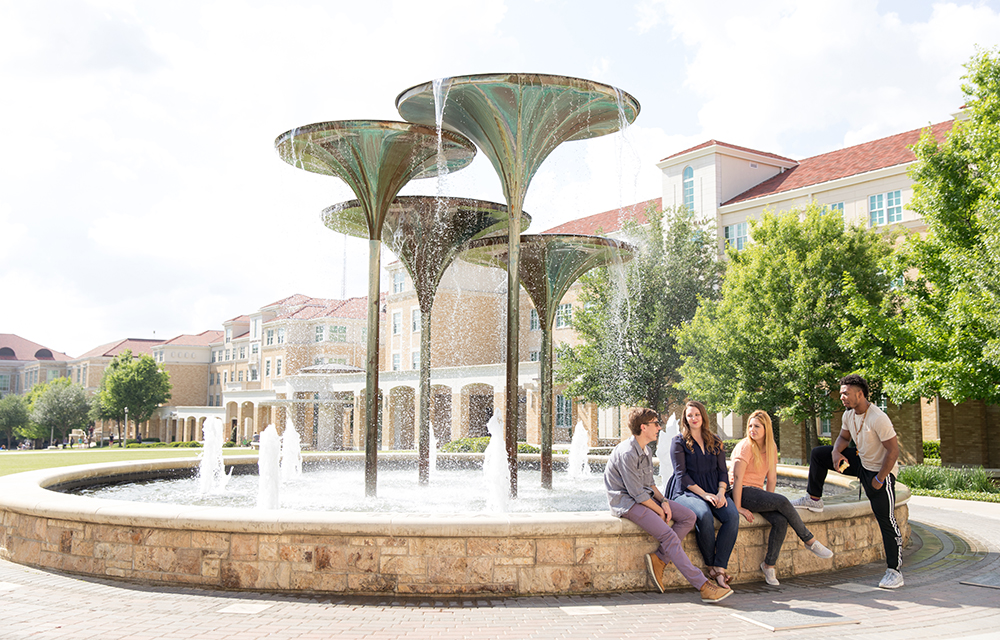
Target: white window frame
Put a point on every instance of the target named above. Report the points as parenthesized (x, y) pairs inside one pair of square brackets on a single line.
[(397, 361), (281, 335), (277, 367), (270, 337), (885, 208), (398, 282), (267, 368), (415, 360), (533, 322), (397, 322), (736, 235), (415, 320), (564, 316), (337, 333), (687, 187), (564, 411), (320, 330), (534, 356)]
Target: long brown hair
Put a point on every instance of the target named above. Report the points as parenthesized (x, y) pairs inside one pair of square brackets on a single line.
[(770, 453), (713, 443)]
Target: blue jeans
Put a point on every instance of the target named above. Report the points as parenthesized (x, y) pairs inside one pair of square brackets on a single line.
[(715, 549)]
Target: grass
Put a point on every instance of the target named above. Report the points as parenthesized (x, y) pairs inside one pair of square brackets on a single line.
[(18, 461), (950, 482)]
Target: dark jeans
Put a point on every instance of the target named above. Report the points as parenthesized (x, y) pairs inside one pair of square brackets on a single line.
[(883, 499), (715, 549), (776, 509)]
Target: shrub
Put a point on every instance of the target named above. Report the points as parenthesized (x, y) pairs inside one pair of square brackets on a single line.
[(729, 445), (825, 441), (932, 449), (929, 477), (478, 445)]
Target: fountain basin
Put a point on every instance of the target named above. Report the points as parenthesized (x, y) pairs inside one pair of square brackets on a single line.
[(373, 553)]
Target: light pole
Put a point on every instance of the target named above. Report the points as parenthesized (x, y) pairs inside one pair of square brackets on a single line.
[(124, 435)]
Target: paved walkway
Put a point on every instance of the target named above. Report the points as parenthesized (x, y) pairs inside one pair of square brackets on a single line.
[(954, 542)]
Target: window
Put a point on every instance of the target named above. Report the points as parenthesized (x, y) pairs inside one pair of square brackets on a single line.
[(533, 324), (398, 282), (338, 360), (4, 383), (397, 322), (415, 360), (277, 367), (415, 320), (255, 328), (564, 316), (319, 333), (317, 360), (240, 375), (736, 236), (281, 335), (884, 208), (218, 400), (243, 353), (267, 368), (215, 356), (253, 374), (337, 333), (824, 427), (534, 356), (254, 348), (270, 337), (396, 360), (564, 412), (229, 335), (689, 188), (227, 355), (837, 207), (225, 376)]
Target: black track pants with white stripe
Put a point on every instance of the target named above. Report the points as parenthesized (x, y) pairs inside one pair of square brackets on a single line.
[(883, 502)]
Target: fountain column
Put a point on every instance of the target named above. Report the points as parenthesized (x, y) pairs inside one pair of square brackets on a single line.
[(517, 120)]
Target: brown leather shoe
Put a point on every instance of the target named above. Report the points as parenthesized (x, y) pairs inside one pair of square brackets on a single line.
[(655, 568), (713, 593)]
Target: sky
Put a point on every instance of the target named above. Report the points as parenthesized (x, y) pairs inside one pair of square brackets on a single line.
[(141, 196)]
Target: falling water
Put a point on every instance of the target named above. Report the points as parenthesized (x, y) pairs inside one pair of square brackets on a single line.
[(434, 451), (291, 454), (663, 448), (496, 471), (441, 86), (579, 447), (268, 468), (212, 476)]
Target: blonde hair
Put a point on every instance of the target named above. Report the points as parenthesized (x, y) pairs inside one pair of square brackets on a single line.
[(770, 454), (713, 443)]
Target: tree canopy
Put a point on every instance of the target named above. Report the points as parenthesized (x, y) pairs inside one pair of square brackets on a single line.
[(770, 341), (630, 316), (60, 407), (136, 383), (14, 416), (939, 333)]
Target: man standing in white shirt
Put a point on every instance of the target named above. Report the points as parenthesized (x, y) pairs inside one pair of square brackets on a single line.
[(873, 462)]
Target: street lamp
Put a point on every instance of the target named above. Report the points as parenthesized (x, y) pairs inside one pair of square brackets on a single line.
[(125, 435)]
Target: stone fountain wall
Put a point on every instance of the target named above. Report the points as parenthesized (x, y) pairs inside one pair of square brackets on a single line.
[(513, 554)]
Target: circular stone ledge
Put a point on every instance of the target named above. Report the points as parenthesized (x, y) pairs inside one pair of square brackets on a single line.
[(373, 553)]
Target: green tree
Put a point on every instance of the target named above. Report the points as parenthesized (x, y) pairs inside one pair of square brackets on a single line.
[(61, 407), (629, 321), (770, 342), (939, 334), (138, 384), (14, 415)]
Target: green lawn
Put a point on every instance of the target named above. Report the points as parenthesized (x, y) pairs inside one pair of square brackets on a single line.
[(18, 461)]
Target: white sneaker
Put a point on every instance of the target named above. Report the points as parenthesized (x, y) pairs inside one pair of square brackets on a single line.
[(891, 580), (769, 575), (806, 502), (818, 548)]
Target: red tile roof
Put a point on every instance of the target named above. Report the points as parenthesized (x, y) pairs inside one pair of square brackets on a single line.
[(202, 339), (26, 350), (731, 146), (843, 163), (323, 308), (608, 221), (138, 346)]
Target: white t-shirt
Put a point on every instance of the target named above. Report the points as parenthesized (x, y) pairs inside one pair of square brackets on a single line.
[(869, 431)]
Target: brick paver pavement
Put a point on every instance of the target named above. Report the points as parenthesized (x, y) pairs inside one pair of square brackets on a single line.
[(953, 542)]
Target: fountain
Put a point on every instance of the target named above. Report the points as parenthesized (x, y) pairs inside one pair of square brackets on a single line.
[(212, 471), (291, 454), (496, 472), (579, 447), (268, 469), (551, 264), (517, 120), (376, 159), (426, 233), (663, 447)]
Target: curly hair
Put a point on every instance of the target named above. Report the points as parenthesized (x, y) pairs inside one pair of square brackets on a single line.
[(855, 380), (713, 443)]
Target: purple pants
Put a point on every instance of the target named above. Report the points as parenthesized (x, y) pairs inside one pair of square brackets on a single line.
[(670, 538)]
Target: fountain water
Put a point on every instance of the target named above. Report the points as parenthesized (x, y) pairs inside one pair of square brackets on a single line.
[(433, 454), (496, 471), (268, 464), (212, 476), (663, 447), (579, 447), (291, 454)]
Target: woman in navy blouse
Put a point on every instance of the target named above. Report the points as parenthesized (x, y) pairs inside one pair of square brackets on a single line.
[(700, 482)]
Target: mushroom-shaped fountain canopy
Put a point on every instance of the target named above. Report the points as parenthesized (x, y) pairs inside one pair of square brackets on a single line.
[(426, 232), (376, 158), (517, 119), (550, 263)]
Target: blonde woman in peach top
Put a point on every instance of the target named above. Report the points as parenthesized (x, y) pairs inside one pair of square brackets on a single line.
[(752, 477)]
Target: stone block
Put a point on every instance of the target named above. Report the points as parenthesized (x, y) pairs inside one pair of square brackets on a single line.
[(554, 551), (210, 540), (118, 552), (555, 579), (335, 582), (330, 558), (364, 560), (243, 547), (403, 565), (167, 538), (238, 575), (505, 547), (448, 570), (210, 567), (371, 583), (433, 547)]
